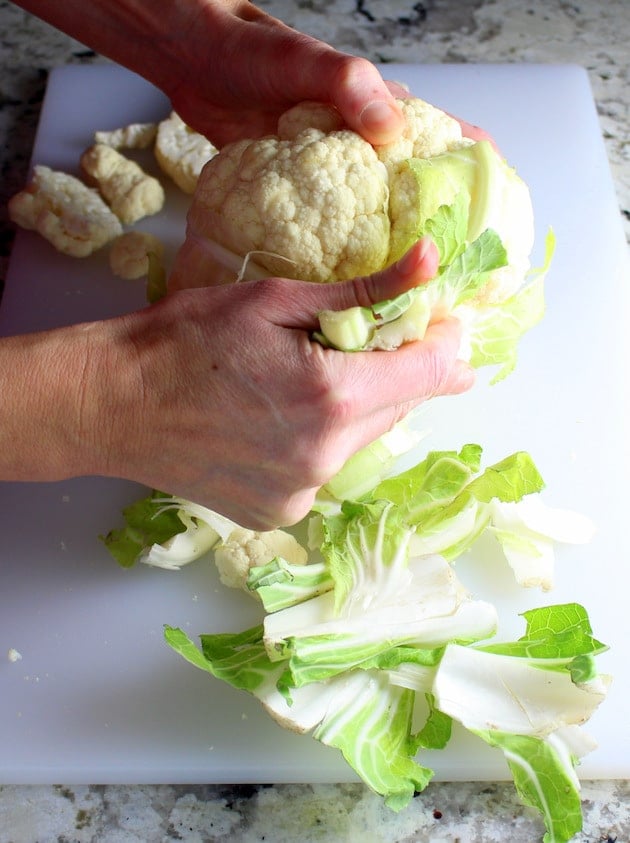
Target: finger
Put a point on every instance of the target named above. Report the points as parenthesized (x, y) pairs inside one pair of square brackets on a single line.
[(417, 266), (304, 301), (475, 133), (285, 510), (460, 379), (407, 376), (365, 101), (288, 511), (417, 370), (398, 89), (313, 70)]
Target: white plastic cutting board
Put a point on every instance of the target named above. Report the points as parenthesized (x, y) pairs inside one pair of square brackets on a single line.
[(97, 697)]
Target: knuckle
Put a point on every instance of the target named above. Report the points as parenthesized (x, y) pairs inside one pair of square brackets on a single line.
[(294, 509), (265, 288), (327, 379), (315, 463), (436, 369)]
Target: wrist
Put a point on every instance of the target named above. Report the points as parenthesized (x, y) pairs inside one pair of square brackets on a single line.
[(59, 401), (108, 399)]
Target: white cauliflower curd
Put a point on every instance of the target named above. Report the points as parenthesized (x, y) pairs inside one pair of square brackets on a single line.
[(319, 203), (313, 202), (130, 192), (129, 254), (133, 136), (62, 209), (181, 152)]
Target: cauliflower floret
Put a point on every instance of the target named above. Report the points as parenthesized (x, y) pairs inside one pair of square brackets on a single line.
[(314, 208), (428, 131), (133, 136), (128, 253), (181, 152), (309, 115), (70, 215), (244, 549), (129, 191)]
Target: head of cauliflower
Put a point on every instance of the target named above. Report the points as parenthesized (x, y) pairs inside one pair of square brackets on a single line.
[(318, 202)]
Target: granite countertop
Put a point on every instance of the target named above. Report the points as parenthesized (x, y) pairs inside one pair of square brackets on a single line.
[(589, 33)]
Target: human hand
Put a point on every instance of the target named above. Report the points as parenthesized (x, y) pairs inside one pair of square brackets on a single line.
[(249, 68), (228, 67), (232, 404), (257, 68)]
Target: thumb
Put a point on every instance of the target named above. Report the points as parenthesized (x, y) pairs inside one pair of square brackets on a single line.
[(417, 266), (364, 100)]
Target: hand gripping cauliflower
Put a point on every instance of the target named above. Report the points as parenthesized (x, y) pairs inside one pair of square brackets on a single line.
[(70, 215), (129, 191), (319, 203)]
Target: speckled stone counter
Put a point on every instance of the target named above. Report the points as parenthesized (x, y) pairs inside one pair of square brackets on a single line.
[(590, 33), (448, 813)]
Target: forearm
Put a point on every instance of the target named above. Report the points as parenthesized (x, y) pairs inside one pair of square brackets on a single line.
[(229, 69), (146, 36), (55, 393)]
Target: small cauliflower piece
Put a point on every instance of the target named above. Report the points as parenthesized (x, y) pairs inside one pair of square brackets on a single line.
[(128, 254), (181, 152), (71, 216), (133, 136), (129, 191), (244, 549)]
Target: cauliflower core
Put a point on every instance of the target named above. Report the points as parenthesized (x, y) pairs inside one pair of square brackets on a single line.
[(70, 215), (312, 202)]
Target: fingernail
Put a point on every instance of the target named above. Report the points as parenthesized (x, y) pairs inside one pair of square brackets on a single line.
[(378, 116), (409, 261), (424, 244), (414, 256), (462, 377)]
